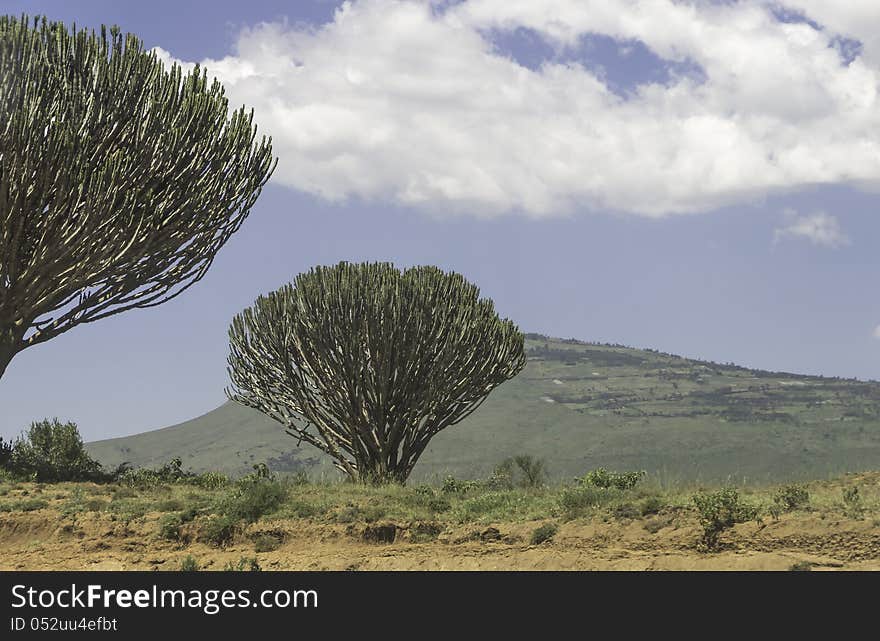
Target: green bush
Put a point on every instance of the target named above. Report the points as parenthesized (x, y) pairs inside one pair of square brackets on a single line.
[(721, 510), (52, 452), (652, 505), (518, 471), (544, 533), (788, 498), (245, 564), (169, 527), (452, 485), (209, 480), (605, 479), (852, 502), (217, 531), (189, 564), (253, 496)]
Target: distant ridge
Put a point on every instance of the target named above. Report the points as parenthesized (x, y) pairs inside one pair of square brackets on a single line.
[(581, 405)]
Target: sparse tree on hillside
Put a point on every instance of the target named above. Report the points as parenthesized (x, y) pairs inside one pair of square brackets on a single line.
[(368, 363), (119, 180)]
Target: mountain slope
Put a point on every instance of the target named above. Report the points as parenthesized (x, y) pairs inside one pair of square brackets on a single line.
[(580, 406)]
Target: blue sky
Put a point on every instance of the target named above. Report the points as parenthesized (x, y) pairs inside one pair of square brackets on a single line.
[(707, 189)]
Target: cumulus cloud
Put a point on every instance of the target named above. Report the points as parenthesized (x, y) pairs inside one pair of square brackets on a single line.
[(410, 102), (819, 228)]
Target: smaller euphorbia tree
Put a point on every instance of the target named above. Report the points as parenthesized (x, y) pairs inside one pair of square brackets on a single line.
[(367, 362)]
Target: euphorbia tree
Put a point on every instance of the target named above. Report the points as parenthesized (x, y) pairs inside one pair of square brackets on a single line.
[(119, 180), (368, 363)]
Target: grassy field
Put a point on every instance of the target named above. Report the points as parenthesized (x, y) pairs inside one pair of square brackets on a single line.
[(580, 406), (289, 523)]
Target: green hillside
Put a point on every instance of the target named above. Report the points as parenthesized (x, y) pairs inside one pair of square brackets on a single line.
[(583, 405)]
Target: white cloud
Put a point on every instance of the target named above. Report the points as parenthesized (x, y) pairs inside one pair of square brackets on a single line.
[(399, 102), (819, 228), (876, 332)]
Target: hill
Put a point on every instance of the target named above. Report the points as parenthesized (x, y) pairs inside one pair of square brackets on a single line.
[(584, 405)]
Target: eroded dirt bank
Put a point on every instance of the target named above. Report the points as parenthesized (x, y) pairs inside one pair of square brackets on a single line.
[(41, 540)]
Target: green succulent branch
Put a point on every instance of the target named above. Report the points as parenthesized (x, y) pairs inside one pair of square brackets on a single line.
[(119, 180), (368, 363)]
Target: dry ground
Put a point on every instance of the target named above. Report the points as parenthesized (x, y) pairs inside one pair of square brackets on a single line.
[(816, 539)]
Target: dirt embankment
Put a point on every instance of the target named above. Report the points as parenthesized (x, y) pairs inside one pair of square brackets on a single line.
[(41, 540)]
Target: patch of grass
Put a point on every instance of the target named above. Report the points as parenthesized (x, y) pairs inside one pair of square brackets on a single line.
[(169, 527), (651, 505), (580, 501), (624, 511), (253, 497), (424, 532), (543, 533), (170, 505), (25, 505), (801, 566)]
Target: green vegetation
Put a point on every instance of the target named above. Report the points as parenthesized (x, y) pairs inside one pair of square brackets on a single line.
[(604, 479), (367, 363), (544, 533), (50, 452), (578, 406), (721, 510), (245, 564), (189, 564), (137, 177)]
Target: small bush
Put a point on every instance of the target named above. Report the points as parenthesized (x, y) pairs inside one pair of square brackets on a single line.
[(523, 471), (189, 564), (171, 505), (852, 502), (604, 479), (721, 510), (245, 564), (452, 485), (253, 498), (169, 527), (544, 533), (266, 543), (652, 505), (438, 504), (791, 497), (217, 531), (209, 480)]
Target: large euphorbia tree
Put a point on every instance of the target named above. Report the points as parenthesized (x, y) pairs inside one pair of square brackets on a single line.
[(367, 362), (119, 180)]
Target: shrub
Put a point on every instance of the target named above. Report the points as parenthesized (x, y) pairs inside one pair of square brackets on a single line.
[(52, 452), (544, 533), (852, 502), (209, 480), (217, 531), (266, 543), (518, 471), (189, 564), (452, 485), (245, 564), (791, 497), (721, 510), (602, 478), (626, 511), (652, 505), (254, 496), (169, 527)]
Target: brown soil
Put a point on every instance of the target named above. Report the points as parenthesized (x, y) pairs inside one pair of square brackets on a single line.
[(40, 540)]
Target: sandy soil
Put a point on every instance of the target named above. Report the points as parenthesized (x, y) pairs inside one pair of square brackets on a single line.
[(40, 540)]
